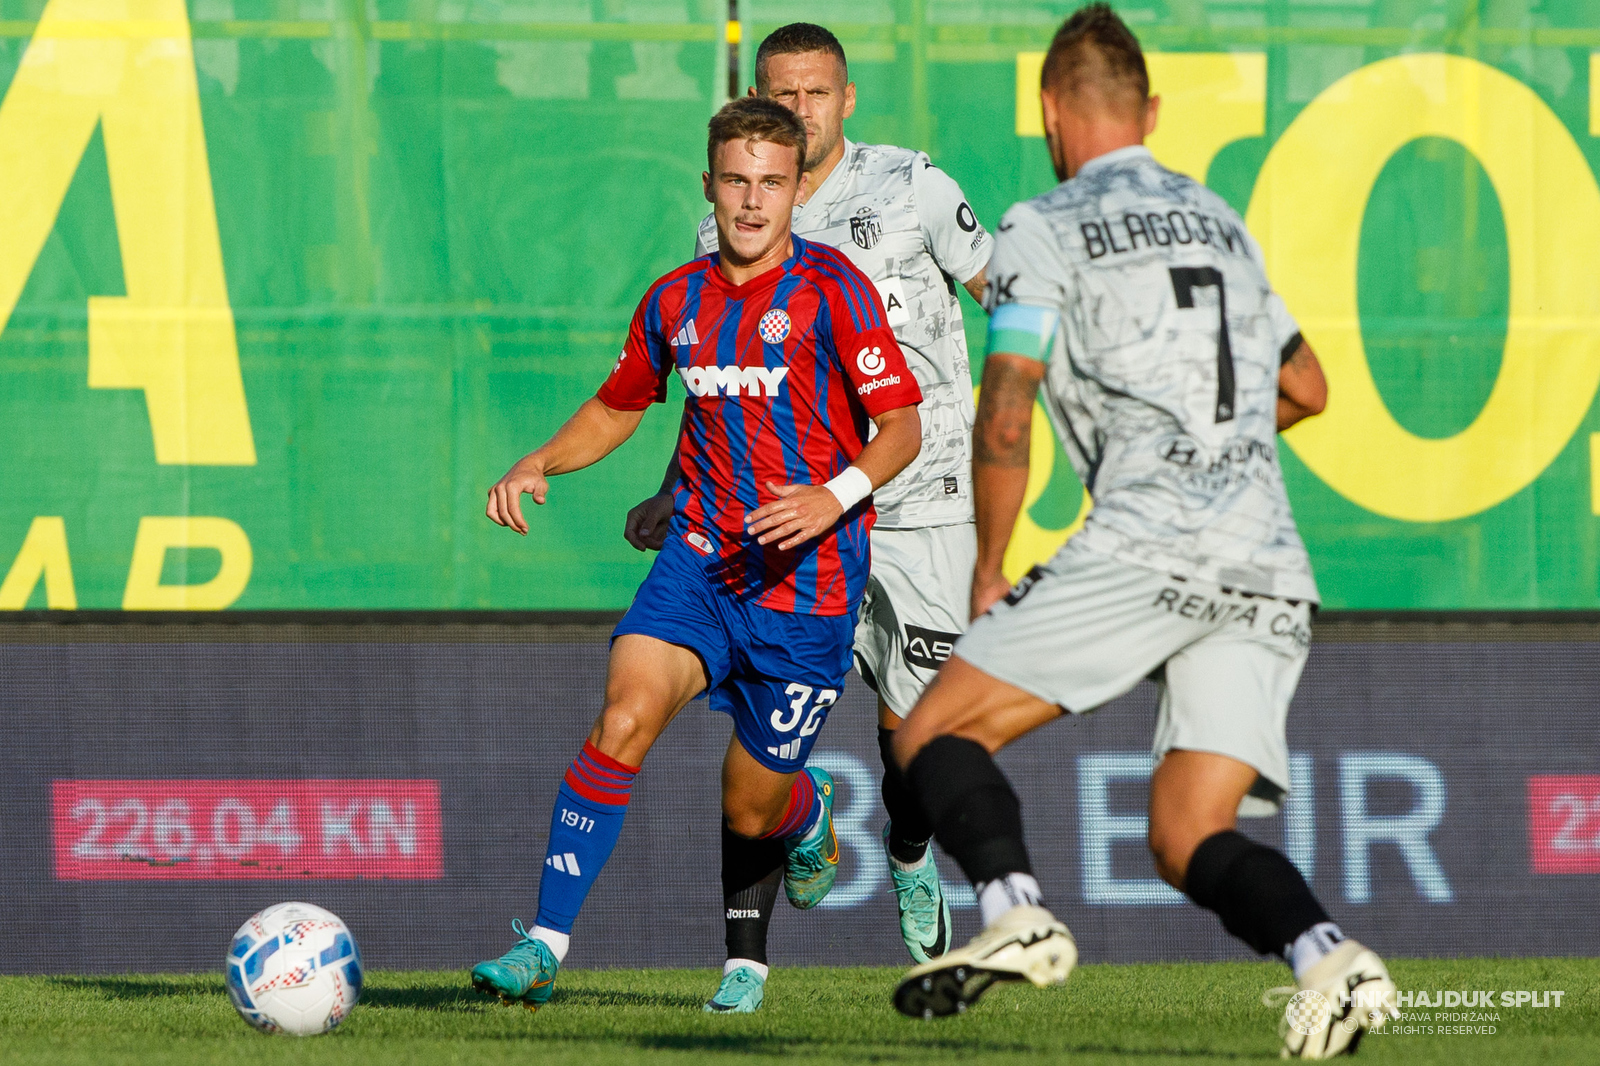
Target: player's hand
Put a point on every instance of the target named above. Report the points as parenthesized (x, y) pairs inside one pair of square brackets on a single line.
[(647, 522), (800, 513), (988, 590), (505, 498)]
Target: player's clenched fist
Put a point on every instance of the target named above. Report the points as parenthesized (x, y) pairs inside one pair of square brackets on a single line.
[(800, 513), (505, 498), (646, 528)]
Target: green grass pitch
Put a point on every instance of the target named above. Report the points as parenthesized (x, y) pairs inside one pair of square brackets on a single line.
[(1189, 1013)]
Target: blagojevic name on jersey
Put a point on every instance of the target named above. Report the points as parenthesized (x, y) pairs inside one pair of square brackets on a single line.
[(1146, 297), (782, 375), (906, 224)]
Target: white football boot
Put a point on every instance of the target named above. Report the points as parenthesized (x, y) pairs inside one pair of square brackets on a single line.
[(1343, 996), (1026, 943)]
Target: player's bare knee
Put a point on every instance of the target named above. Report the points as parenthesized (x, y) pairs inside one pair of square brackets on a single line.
[(619, 728), (748, 822)]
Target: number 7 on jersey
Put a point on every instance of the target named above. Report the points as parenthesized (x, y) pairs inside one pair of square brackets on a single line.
[(1184, 281)]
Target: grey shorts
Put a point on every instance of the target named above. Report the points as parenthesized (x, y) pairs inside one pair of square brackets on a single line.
[(1084, 628), (916, 605)]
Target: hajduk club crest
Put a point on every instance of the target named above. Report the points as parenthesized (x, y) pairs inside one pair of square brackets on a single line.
[(774, 326)]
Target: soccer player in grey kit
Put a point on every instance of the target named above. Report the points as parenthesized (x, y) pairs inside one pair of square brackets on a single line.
[(909, 228), (1136, 297)]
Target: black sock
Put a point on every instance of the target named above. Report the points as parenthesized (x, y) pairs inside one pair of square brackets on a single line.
[(970, 805), (1256, 891), (751, 870), (909, 828)]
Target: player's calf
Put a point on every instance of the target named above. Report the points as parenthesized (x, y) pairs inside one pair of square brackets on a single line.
[(977, 819)]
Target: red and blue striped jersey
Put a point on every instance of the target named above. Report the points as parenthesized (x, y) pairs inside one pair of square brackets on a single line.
[(782, 375)]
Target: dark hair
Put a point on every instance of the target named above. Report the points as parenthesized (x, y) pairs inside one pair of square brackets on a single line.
[(795, 38), (755, 118), (1094, 45)]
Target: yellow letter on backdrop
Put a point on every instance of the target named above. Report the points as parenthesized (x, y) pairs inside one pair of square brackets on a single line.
[(43, 554), (128, 65), (1306, 211), (145, 592)]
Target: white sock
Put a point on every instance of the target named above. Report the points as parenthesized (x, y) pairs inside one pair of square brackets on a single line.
[(733, 964), (1013, 890), (908, 867), (1312, 946), (558, 943)]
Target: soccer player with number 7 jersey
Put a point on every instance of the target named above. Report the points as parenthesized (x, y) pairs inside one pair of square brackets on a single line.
[(783, 350)]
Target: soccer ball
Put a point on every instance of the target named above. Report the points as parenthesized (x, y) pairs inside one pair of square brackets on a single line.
[(294, 968)]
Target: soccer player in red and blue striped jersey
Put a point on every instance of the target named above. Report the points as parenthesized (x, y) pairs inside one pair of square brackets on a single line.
[(783, 350)]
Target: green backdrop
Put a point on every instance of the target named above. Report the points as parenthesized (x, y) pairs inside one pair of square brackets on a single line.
[(435, 219)]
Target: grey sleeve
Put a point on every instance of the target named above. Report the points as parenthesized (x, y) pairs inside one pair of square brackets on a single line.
[(958, 241), (705, 238), (1027, 266), (1285, 330)]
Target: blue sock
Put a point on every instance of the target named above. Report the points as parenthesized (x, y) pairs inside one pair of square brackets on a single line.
[(584, 827)]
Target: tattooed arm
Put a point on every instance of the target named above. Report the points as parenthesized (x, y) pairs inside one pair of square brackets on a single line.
[(1000, 465), (1302, 390)]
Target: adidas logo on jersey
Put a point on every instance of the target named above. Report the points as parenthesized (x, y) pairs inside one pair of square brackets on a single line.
[(686, 335), (733, 380)]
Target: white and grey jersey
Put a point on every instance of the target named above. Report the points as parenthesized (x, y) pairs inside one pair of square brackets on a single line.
[(909, 228), (1162, 375)]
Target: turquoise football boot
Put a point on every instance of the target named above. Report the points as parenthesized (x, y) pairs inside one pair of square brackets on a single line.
[(812, 862), (526, 974), (741, 992), (924, 912)]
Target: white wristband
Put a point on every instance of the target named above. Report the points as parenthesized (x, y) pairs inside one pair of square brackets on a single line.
[(850, 487)]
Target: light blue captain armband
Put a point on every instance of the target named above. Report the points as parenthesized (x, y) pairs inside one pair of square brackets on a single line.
[(1020, 329)]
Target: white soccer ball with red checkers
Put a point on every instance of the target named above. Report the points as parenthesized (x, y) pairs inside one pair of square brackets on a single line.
[(294, 968)]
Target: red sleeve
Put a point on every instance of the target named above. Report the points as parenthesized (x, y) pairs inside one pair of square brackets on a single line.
[(639, 377), (871, 357)]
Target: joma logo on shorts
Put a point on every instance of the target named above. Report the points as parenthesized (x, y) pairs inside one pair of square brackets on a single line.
[(733, 380)]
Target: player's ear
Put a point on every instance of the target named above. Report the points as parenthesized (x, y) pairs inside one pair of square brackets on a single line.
[(849, 99), (751, 91), (1151, 107), (705, 183)]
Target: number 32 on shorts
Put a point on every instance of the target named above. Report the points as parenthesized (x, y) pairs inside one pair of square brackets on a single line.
[(799, 696)]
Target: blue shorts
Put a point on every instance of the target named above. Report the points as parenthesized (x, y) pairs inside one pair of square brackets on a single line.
[(774, 673)]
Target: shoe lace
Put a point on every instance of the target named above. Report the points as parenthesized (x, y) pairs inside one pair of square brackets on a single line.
[(740, 978), (916, 897), (526, 951), (736, 984)]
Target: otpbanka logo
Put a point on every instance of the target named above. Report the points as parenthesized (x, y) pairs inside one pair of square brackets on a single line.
[(870, 361)]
